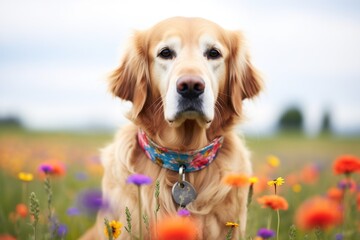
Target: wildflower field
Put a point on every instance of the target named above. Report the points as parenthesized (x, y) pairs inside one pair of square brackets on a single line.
[(303, 188)]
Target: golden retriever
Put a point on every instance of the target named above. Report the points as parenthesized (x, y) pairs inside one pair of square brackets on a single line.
[(186, 79)]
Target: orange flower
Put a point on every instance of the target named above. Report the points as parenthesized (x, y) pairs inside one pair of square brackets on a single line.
[(318, 212), (309, 174), (21, 210), (6, 237), (292, 179), (177, 228), (346, 164), (335, 194), (273, 201), (236, 180), (261, 185), (358, 201)]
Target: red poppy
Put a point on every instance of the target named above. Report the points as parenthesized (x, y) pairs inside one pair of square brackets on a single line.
[(346, 164), (274, 202), (177, 228), (318, 212)]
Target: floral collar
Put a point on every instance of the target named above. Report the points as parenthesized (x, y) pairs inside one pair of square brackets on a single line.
[(193, 160)]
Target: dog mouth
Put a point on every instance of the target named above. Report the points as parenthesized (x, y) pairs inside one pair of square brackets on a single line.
[(187, 105), (190, 110)]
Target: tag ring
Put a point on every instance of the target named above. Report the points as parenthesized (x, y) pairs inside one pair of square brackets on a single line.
[(181, 175)]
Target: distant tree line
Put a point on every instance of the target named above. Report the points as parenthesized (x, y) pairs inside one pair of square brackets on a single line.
[(292, 120), (10, 121)]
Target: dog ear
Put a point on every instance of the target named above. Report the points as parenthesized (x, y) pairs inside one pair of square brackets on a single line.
[(244, 79), (130, 80)]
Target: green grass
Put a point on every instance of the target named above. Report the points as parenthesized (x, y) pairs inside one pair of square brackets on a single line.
[(22, 150)]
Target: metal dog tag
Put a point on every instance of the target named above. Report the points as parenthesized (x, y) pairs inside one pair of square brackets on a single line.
[(183, 193)]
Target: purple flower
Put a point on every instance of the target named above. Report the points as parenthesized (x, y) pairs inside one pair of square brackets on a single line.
[(139, 179), (62, 230), (81, 176), (339, 236), (73, 211), (265, 233), (344, 184), (318, 166), (46, 168), (91, 201), (183, 212)]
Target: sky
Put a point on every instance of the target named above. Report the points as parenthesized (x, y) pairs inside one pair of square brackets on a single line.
[(55, 57)]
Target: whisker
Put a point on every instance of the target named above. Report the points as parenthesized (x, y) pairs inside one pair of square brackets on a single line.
[(155, 102), (218, 113), (224, 94), (220, 108), (159, 106), (220, 102)]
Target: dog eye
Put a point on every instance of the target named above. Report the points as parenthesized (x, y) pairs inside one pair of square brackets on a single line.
[(213, 54), (166, 53)]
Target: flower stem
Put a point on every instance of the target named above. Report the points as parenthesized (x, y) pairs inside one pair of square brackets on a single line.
[(140, 215), (275, 187), (34, 211), (238, 203), (278, 224), (269, 221), (229, 233), (347, 205), (157, 204), (128, 220), (52, 222), (24, 192), (108, 229), (318, 234)]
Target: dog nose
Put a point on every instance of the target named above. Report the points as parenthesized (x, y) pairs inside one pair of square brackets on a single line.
[(190, 86)]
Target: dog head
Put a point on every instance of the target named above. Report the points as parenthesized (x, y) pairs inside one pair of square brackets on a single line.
[(186, 69)]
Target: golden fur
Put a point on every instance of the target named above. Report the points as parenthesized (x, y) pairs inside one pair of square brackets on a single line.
[(138, 80)]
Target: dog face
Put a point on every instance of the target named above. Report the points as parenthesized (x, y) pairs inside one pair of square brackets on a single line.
[(189, 65), (193, 67)]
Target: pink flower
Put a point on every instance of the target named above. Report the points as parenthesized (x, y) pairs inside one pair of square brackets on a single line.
[(199, 161)]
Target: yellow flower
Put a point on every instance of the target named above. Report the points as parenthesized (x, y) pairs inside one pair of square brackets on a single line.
[(115, 228), (273, 161), (278, 182), (296, 188), (253, 180), (231, 224), (26, 177)]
